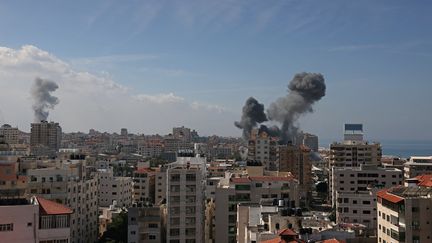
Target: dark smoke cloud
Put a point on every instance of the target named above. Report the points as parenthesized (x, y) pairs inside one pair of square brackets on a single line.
[(43, 100), (253, 113), (303, 91)]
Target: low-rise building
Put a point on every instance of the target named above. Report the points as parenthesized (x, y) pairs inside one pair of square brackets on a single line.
[(34, 220)]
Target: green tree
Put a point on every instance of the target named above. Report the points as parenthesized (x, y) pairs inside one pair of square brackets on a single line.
[(117, 230)]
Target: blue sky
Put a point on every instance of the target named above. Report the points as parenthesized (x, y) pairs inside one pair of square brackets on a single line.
[(210, 56)]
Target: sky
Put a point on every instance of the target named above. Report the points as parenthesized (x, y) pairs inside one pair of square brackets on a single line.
[(152, 65)]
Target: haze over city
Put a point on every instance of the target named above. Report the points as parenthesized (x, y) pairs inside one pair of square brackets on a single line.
[(152, 65)]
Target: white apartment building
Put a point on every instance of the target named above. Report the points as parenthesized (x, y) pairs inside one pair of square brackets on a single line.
[(185, 199), (351, 153), (418, 165), (114, 188), (358, 207), (10, 134), (70, 183), (359, 179), (35, 220), (160, 185), (253, 188), (405, 215)]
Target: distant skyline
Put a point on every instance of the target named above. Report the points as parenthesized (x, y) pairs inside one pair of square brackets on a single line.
[(152, 65)]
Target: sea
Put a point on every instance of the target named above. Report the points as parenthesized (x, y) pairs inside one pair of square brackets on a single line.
[(399, 148)]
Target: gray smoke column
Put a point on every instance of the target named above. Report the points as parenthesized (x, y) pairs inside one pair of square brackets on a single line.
[(253, 114), (303, 91), (43, 100)]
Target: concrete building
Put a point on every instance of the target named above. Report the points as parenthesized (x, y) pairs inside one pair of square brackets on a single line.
[(114, 188), (254, 187), (45, 138), (311, 141), (185, 199), (354, 150), (183, 134), (418, 165), (296, 159), (12, 183), (263, 148), (358, 208), (151, 149), (160, 185), (71, 183), (35, 220), (10, 134), (404, 214), (144, 186), (145, 225), (359, 179)]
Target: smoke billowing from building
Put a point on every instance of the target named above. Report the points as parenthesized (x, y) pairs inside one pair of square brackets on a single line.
[(43, 100), (303, 91), (253, 114)]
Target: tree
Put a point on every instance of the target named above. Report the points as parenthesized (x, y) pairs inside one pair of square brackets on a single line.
[(117, 230)]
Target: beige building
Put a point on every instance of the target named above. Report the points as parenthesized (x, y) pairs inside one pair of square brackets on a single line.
[(253, 187), (114, 188), (351, 153), (263, 148), (359, 179), (12, 182), (185, 199), (10, 134), (145, 225), (405, 215), (35, 220), (71, 183)]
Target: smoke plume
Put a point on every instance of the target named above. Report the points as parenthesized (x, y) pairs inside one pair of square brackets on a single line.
[(303, 91), (253, 113), (43, 100)]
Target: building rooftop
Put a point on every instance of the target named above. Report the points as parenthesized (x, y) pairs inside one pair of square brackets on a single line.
[(48, 207)]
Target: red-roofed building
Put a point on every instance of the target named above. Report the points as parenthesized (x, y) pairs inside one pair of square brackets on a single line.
[(285, 236), (405, 213), (35, 220)]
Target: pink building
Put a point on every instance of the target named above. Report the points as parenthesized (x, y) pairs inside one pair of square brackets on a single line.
[(35, 220)]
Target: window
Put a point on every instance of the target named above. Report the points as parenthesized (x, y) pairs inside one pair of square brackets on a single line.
[(152, 237), (6, 227), (366, 211), (366, 202), (190, 177), (153, 226)]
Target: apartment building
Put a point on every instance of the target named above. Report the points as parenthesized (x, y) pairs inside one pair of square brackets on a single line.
[(254, 187), (145, 225), (405, 214), (10, 134), (359, 179), (144, 186), (114, 188), (263, 148), (185, 199), (151, 149), (296, 159), (35, 220), (74, 184), (160, 185), (358, 208), (417, 165), (45, 138), (351, 153)]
